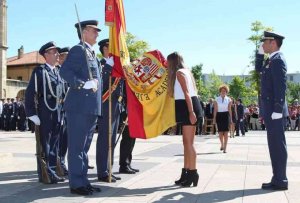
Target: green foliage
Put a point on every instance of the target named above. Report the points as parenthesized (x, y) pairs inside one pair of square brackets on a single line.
[(136, 47), (293, 91), (238, 89), (202, 90), (214, 82)]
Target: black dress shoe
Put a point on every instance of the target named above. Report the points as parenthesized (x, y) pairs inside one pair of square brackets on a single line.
[(270, 186), (105, 179), (134, 169), (93, 188), (81, 191), (116, 177), (126, 170), (90, 167)]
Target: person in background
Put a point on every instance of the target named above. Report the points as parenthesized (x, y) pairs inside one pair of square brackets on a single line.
[(240, 118), (223, 115)]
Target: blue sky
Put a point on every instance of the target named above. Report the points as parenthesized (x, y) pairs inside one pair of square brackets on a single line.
[(212, 32)]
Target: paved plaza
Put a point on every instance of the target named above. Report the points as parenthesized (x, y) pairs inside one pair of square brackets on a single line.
[(232, 177)]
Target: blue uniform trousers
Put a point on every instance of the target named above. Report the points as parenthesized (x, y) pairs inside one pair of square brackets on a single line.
[(277, 145), (80, 127), (102, 140), (49, 130), (63, 140)]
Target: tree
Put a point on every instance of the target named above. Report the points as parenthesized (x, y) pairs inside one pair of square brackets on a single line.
[(238, 89), (214, 82), (136, 48), (201, 89), (257, 28), (293, 91)]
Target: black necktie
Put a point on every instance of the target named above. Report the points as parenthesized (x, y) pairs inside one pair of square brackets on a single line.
[(267, 62)]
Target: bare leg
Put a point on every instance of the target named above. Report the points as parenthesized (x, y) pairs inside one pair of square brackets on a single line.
[(221, 140), (225, 135), (188, 137)]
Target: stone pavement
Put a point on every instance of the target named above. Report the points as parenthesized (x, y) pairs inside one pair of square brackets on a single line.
[(232, 177)]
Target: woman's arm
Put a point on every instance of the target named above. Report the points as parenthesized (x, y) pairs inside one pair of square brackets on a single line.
[(215, 111), (230, 110), (183, 83)]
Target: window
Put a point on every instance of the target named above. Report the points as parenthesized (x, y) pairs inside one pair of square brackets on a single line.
[(19, 78), (291, 78)]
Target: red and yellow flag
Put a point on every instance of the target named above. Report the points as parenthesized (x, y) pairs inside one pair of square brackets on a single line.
[(150, 110)]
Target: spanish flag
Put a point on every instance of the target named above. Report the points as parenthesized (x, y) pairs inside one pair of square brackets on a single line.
[(151, 111)]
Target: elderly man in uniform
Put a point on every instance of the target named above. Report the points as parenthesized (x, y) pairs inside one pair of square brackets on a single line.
[(46, 83), (63, 137), (273, 89), (82, 104), (116, 97)]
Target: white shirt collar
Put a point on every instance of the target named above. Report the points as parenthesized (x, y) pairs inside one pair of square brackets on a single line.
[(272, 54), (52, 67), (89, 46)]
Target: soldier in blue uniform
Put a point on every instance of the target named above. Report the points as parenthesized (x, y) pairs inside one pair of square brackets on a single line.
[(46, 83), (63, 136), (21, 116), (240, 118), (82, 104), (7, 111), (14, 115), (103, 122), (127, 143), (1, 114), (273, 89)]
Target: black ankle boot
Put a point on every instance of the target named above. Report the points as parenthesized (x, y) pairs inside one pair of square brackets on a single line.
[(182, 177), (192, 177)]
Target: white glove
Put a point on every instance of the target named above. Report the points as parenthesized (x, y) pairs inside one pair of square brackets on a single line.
[(91, 84), (35, 119), (110, 61), (276, 115), (261, 49), (241, 120)]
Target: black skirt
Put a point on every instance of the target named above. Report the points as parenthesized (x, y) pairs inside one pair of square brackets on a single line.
[(222, 120), (182, 112)]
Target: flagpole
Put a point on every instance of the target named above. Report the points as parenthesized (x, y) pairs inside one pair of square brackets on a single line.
[(109, 132)]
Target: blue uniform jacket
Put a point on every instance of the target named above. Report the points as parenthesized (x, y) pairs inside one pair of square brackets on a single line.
[(273, 80), (75, 72), (30, 91), (240, 111)]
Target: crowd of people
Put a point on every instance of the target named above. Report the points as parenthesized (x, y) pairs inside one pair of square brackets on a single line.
[(67, 97), (12, 115)]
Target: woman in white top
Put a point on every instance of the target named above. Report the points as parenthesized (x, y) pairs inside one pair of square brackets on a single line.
[(223, 115), (181, 85)]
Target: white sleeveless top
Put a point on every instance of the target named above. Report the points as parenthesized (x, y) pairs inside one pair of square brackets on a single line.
[(178, 93), (223, 104)]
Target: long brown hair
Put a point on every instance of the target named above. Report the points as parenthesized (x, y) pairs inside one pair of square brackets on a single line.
[(175, 62)]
